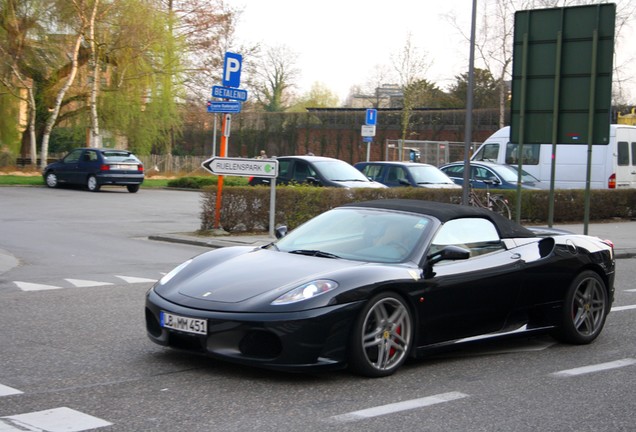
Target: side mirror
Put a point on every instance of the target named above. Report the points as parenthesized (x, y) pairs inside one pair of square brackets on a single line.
[(448, 253), (280, 231)]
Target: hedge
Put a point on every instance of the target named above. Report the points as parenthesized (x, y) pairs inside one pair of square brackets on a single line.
[(246, 209)]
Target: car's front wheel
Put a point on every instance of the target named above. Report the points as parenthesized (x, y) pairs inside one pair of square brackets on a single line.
[(382, 336), (585, 309), (51, 180), (92, 184)]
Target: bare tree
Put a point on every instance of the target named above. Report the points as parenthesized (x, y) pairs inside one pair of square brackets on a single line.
[(274, 78), (410, 65)]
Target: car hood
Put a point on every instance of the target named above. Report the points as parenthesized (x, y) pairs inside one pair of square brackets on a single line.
[(249, 273)]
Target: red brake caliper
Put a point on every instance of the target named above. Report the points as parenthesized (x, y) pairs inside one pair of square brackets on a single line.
[(392, 350)]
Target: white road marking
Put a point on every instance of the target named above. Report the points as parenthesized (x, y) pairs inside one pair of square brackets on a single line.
[(80, 283), (596, 368), (55, 420), (622, 308), (131, 279), (630, 290), (8, 391), (397, 407), (28, 286)]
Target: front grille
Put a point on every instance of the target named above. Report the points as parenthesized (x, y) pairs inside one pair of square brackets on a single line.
[(260, 344), (185, 342)]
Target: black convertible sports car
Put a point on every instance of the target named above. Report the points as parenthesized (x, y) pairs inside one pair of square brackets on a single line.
[(370, 284)]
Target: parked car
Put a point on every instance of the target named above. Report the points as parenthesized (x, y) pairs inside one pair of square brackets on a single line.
[(395, 174), (317, 171), (95, 167), (370, 284), (492, 175)]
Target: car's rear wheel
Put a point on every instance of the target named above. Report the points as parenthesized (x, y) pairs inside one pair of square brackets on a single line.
[(132, 188), (51, 180), (584, 310), (92, 184), (382, 336)]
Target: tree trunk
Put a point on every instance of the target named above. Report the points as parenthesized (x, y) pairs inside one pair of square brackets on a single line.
[(96, 139), (58, 100)]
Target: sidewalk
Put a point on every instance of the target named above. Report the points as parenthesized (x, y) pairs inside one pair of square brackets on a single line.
[(622, 234)]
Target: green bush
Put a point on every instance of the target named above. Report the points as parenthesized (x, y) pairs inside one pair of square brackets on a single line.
[(246, 209)]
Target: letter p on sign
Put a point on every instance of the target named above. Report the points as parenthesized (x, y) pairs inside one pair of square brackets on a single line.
[(232, 69)]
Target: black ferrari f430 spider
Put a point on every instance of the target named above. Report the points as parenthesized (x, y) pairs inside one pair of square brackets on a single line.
[(368, 285)]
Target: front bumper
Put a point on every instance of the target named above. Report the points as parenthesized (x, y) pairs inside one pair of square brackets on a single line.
[(312, 339)]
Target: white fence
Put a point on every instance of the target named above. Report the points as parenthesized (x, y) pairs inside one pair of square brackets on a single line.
[(169, 164)]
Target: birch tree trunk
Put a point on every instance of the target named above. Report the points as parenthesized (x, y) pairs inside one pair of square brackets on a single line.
[(96, 139), (58, 99)]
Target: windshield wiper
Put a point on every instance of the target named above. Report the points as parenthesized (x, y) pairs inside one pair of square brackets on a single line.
[(344, 180), (316, 253)]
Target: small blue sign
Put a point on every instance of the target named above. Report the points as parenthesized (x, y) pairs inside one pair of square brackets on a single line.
[(232, 69), (372, 117), (224, 107), (367, 139), (229, 93)]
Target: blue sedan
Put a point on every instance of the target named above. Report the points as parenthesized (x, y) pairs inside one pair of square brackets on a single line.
[(491, 175), (94, 167)]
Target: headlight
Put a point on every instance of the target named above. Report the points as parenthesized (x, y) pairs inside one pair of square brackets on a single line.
[(306, 291), (164, 280)]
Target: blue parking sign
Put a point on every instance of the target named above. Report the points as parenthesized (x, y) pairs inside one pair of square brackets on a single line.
[(232, 69)]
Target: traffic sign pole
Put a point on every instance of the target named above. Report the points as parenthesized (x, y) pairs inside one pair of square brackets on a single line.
[(219, 185)]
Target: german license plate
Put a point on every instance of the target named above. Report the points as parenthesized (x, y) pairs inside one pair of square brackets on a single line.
[(184, 324)]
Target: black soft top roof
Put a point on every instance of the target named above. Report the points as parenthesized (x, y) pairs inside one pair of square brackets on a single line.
[(445, 212)]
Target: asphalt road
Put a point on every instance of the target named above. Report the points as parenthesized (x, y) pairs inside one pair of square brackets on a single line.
[(76, 357)]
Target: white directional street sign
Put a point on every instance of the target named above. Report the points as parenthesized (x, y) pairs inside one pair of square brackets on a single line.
[(242, 167)]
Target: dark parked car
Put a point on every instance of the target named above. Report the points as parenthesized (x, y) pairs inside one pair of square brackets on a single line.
[(395, 174), (492, 175), (317, 171), (95, 167), (371, 284)]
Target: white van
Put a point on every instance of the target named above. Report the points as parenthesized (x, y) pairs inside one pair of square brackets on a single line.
[(613, 165)]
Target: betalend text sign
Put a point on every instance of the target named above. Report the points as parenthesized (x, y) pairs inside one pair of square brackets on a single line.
[(242, 167)]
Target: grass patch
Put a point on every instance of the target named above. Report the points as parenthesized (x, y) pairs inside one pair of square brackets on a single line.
[(20, 180), (17, 180)]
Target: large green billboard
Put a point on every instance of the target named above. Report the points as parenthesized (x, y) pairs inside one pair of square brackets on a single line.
[(562, 75)]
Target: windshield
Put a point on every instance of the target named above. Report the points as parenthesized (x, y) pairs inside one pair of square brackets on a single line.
[(358, 234), (428, 174), (339, 171), (119, 156)]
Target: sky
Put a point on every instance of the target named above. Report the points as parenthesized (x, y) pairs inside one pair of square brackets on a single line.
[(340, 42)]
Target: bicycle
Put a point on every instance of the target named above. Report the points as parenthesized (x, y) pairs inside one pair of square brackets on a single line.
[(496, 203)]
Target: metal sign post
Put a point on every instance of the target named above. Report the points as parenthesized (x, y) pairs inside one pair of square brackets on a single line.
[(242, 167)]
